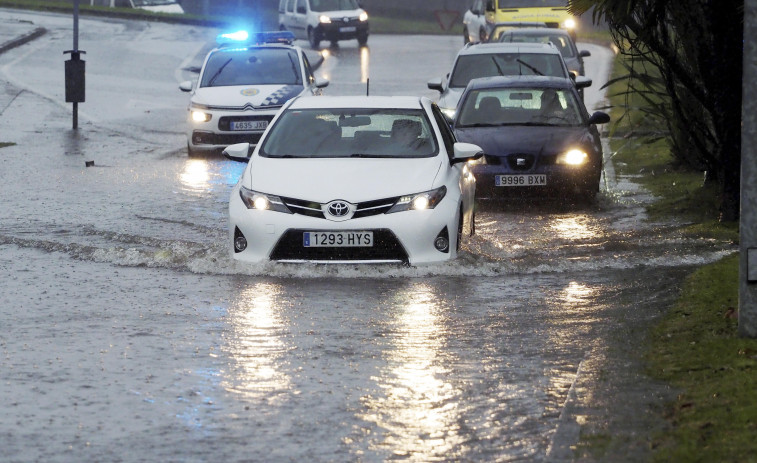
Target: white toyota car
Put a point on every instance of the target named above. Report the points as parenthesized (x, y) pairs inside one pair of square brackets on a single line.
[(351, 179), (242, 84)]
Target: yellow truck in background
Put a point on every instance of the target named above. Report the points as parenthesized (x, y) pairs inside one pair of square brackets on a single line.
[(553, 13)]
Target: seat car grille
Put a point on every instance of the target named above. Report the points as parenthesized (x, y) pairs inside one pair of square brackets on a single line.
[(386, 247), (363, 209)]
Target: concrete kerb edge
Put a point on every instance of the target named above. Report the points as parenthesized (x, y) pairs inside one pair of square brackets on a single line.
[(10, 44)]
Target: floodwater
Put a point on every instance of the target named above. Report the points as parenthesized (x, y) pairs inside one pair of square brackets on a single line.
[(129, 334)]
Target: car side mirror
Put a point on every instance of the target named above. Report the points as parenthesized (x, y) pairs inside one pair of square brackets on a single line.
[(321, 83), (599, 118), (239, 152), (186, 86), (435, 84), (464, 152), (582, 82), (584, 53)]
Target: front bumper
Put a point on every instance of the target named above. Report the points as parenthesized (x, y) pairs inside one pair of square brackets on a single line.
[(560, 180), (216, 134), (342, 30), (406, 236)]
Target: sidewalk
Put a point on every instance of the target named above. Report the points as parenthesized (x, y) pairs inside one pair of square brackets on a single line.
[(14, 33)]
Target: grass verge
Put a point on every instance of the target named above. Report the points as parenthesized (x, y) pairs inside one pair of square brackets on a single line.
[(696, 347)]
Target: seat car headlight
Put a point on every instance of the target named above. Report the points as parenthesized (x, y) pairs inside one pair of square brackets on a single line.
[(573, 157), (419, 201), (262, 201)]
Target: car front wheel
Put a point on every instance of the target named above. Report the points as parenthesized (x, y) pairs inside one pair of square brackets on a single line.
[(362, 39)]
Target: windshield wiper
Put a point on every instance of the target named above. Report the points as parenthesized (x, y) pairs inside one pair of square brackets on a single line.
[(366, 155), (218, 73), (533, 69), (501, 72)]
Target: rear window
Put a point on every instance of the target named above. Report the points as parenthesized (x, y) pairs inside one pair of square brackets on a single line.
[(253, 66), (358, 133), (470, 67)]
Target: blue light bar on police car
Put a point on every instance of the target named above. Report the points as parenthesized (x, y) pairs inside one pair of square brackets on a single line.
[(244, 38)]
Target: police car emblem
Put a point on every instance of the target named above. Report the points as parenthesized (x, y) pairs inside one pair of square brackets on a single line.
[(250, 91)]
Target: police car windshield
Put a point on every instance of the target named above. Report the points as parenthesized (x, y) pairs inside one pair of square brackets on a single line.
[(333, 5), (253, 66), (351, 133), (505, 64)]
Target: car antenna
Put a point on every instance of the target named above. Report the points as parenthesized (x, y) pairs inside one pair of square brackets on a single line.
[(367, 86)]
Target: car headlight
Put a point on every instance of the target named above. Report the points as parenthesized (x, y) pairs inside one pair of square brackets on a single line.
[(569, 23), (323, 19), (262, 201), (200, 116), (573, 157), (363, 16), (419, 201)]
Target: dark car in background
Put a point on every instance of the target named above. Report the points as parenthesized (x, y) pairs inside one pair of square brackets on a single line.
[(537, 136)]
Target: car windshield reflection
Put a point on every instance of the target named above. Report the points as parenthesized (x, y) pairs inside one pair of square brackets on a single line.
[(520, 106), (254, 66), (358, 133)]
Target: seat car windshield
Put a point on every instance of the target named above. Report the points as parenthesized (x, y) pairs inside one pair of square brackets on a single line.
[(505, 64), (253, 66), (357, 133), (333, 5), (520, 106)]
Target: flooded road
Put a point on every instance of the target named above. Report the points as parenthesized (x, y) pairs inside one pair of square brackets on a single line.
[(129, 333)]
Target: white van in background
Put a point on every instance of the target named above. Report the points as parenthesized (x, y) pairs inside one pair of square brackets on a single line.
[(317, 20)]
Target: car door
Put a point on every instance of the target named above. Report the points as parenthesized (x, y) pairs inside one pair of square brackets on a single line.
[(299, 19)]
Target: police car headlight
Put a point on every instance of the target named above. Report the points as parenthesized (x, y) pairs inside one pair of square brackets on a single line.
[(363, 16), (262, 201), (200, 116), (573, 157), (323, 19), (419, 201)]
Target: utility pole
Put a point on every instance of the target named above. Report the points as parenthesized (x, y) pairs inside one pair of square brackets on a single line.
[(748, 216), (74, 68)]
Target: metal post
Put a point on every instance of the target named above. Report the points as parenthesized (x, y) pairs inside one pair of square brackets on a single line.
[(76, 50), (748, 225)]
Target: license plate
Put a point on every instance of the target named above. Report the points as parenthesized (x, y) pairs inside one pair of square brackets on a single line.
[(249, 125), (520, 180), (313, 239), (347, 29)]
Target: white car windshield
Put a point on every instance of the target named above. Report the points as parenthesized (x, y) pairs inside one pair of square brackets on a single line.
[(561, 41), (532, 3), (473, 66), (357, 133), (253, 66), (519, 106), (333, 5)]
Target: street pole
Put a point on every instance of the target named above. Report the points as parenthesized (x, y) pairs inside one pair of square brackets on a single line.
[(75, 71), (748, 216)]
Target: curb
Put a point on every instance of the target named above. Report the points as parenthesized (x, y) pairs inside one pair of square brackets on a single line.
[(38, 32)]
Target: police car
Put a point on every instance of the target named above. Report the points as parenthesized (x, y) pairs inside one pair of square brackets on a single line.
[(242, 85)]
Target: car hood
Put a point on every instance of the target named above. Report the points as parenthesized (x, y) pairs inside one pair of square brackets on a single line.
[(238, 96), (499, 141), (351, 179)]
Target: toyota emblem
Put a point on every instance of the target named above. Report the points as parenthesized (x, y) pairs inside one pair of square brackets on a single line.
[(338, 208)]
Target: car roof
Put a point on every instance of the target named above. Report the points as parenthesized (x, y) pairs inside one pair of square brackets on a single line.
[(509, 47), (536, 31), (379, 102), (520, 81)]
